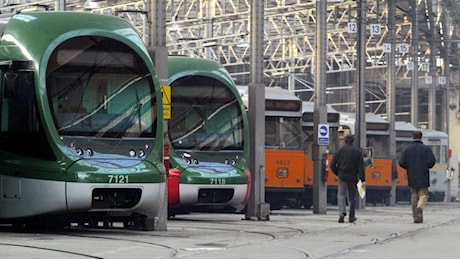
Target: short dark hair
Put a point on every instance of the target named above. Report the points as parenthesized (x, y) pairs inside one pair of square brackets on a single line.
[(417, 135), (349, 139)]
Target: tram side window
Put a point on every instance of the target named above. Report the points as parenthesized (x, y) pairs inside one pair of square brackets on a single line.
[(436, 152), (444, 157), (18, 107), (21, 131)]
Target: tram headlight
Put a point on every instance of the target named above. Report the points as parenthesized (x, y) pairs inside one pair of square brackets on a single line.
[(282, 172), (376, 175), (89, 152), (141, 153), (79, 151), (132, 153)]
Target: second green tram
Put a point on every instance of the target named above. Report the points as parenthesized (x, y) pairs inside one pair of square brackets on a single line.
[(208, 136)]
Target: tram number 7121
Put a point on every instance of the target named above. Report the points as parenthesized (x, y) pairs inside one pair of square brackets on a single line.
[(118, 179), (217, 181)]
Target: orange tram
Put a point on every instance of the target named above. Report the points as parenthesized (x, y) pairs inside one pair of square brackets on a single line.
[(289, 172)]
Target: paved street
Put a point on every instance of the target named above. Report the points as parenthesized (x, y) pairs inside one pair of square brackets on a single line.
[(380, 232)]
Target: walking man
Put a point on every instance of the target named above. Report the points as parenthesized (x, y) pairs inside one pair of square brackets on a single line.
[(417, 158), (348, 164)]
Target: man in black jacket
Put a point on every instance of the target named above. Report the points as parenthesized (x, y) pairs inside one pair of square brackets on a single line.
[(348, 165), (417, 158)]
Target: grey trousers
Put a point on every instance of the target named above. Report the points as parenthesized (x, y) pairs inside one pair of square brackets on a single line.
[(346, 190)]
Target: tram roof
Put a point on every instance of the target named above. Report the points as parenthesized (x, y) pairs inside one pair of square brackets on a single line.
[(308, 106), (430, 133), (4, 19), (277, 93), (369, 117), (375, 124), (404, 126), (271, 93), (408, 127)]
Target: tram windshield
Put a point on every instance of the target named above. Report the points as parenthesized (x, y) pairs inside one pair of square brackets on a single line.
[(440, 152), (283, 132), (400, 146), (334, 139), (379, 144), (100, 87), (205, 115)]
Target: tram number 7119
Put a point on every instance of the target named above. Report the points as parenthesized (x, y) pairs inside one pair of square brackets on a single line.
[(118, 179)]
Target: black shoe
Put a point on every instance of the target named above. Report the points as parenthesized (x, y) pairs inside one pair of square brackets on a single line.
[(342, 217), (352, 220), (418, 215)]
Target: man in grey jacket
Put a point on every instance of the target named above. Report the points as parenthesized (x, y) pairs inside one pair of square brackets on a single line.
[(348, 164), (417, 158)]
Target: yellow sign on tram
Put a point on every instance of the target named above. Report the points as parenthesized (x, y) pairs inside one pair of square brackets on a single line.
[(166, 94)]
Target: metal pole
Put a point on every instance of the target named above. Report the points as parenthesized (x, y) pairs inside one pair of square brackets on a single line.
[(391, 102), (208, 28), (159, 53), (360, 127), (433, 70), (256, 204), (414, 79), (320, 111), (60, 5), (446, 126)]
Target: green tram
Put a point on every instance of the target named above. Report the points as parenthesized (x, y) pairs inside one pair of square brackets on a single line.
[(81, 125), (208, 134)]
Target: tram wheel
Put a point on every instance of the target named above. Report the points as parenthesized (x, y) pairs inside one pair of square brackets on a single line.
[(307, 204), (144, 224)]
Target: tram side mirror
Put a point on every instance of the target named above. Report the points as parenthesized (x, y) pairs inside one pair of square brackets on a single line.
[(368, 155), (10, 85)]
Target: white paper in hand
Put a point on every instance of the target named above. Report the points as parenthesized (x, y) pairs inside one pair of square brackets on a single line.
[(361, 190)]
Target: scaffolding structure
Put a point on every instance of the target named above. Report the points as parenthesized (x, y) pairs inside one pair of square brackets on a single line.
[(426, 41)]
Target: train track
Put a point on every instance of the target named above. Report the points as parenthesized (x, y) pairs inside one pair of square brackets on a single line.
[(288, 234)]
